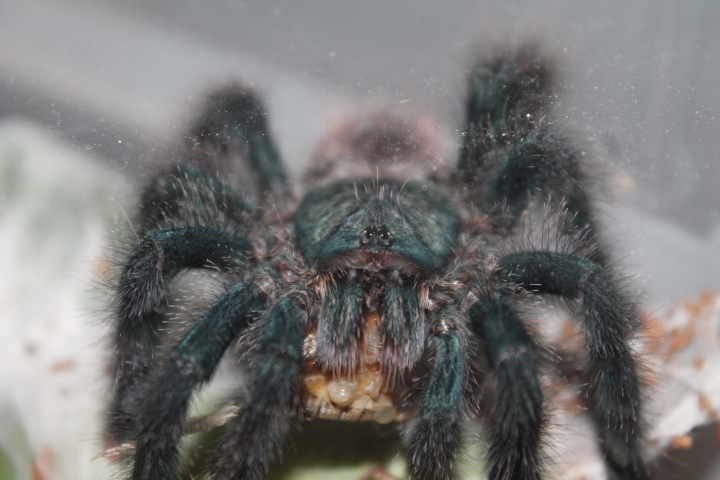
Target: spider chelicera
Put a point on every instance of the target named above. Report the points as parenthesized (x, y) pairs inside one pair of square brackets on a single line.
[(395, 289)]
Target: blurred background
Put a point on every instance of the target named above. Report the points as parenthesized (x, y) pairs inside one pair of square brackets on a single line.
[(90, 90)]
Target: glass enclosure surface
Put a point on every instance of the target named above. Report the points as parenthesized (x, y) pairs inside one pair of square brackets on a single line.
[(100, 87)]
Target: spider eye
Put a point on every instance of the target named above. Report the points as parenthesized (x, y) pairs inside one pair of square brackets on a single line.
[(385, 236), (379, 236), (367, 235)]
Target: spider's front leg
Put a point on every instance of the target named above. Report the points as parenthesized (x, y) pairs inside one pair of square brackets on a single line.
[(255, 434), (609, 321), (515, 420), (161, 415), (158, 257), (433, 436)]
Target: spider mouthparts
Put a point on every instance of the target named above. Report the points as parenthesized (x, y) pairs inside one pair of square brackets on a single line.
[(364, 394), (374, 262)]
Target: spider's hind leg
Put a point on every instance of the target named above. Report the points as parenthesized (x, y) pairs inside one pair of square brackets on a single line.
[(194, 215), (540, 167), (512, 159), (235, 122), (508, 95), (188, 191), (229, 162)]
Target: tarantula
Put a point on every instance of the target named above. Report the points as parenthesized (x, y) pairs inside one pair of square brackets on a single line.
[(396, 293)]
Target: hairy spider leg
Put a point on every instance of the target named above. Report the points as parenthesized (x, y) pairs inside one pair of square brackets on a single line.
[(541, 163), (433, 436), (340, 326), (507, 95), (234, 118), (608, 321), (191, 362), (516, 418), (232, 125), (233, 121), (158, 257), (256, 433), (192, 190), (509, 158)]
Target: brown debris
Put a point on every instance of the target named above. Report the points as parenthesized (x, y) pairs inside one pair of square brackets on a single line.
[(684, 442), (697, 307), (63, 365), (104, 267), (679, 339), (575, 405), (704, 401), (699, 363), (43, 465), (569, 333), (378, 474), (655, 333)]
